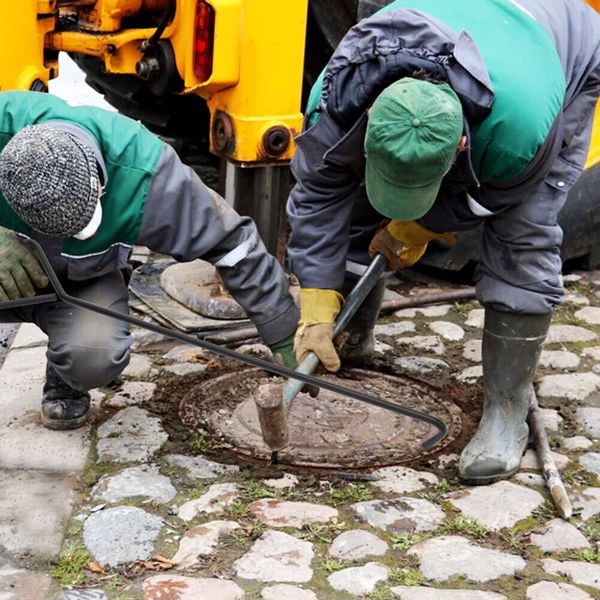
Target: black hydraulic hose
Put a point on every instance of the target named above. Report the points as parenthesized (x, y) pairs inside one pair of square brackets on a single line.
[(167, 15), (249, 360)]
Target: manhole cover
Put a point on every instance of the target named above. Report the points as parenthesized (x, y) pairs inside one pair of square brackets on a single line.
[(330, 431)]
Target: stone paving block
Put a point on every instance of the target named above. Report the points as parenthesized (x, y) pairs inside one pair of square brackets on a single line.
[(139, 366), (586, 502), (393, 329), (201, 541), (29, 335), (592, 352), (551, 418), (25, 443), (572, 386), (131, 435), (359, 581), (121, 535), (472, 351), (558, 359), (405, 592), (544, 590), (531, 479), (357, 544), (496, 506), (569, 333), (580, 572), (132, 393), (84, 594), (34, 509), (141, 481), (590, 461), (288, 481), (589, 315), (576, 300), (174, 587), (421, 365), (185, 368), (437, 310), (186, 353), (218, 497), (559, 536), (447, 330), (20, 584), (289, 592), (431, 343), (530, 460), (446, 557), (475, 318), (198, 467), (404, 514), (281, 513), (277, 556), (470, 374), (402, 480), (577, 442), (588, 418)]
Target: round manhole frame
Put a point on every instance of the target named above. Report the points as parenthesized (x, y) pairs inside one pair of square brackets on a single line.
[(200, 402)]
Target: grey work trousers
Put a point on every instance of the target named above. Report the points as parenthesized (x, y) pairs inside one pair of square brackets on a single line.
[(85, 349)]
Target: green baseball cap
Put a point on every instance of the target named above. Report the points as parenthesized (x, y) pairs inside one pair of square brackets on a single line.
[(412, 137)]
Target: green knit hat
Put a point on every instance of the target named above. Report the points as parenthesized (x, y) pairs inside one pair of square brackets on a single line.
[(412, 137)]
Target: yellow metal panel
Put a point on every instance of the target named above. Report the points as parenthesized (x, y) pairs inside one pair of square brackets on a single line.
[(594, 153), (22, 44), (266, 100)]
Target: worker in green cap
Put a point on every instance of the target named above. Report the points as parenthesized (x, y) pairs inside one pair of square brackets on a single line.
[(430, 118)]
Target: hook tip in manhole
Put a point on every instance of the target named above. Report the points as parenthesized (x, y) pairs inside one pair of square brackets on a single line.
[(330, 431)]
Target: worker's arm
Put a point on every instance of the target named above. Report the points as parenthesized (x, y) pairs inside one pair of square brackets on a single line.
[(185, 219)]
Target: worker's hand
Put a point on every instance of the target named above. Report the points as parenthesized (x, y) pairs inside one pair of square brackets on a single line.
[(283, 354), (318, 310), (403, 243), (20, 271)]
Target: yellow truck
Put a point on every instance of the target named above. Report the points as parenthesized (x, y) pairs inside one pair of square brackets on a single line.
[(230, 73)]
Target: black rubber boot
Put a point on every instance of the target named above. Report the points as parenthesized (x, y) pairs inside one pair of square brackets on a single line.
[(359, 341), (512, 345), (62, 406)]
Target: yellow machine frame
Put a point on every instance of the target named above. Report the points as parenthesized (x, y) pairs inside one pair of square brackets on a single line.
[(254, 89)]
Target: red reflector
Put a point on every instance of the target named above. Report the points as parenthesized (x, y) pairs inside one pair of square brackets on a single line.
[(204, 32)]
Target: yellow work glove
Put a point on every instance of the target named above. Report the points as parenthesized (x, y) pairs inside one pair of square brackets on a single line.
[(318, 310), (403, 243)]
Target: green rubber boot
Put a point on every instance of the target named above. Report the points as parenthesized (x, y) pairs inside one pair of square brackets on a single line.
[(359, 341), (512, 345)]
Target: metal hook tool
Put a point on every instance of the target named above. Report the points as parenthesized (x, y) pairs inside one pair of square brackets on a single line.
[(60, 294)]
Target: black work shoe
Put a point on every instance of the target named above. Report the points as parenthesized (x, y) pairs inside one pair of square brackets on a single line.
[(62, 406)]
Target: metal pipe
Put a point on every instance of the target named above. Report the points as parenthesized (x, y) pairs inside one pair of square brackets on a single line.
[(425, 299)]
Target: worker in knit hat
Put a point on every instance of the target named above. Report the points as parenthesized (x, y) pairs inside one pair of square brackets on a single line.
[(88, 185)]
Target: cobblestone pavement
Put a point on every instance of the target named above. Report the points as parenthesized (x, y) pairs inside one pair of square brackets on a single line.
[(133, 508)]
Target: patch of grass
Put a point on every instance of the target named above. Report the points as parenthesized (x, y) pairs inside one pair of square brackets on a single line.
[(588, 555), (353, 492), (71, 563), (320, 532), (237, 509), (199, 444), (381, 592), (406, 576), (463, 525), (331, 565), (257, 490), (404, 541), (576, 475)]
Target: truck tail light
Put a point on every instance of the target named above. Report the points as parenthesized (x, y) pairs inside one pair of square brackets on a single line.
[(204, 31)]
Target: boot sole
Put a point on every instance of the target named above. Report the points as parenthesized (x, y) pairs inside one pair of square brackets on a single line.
[(65, 424), (490, 478)]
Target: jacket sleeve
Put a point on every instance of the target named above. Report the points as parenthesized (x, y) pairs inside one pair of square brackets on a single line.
[(185, 219), (320, 207)]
